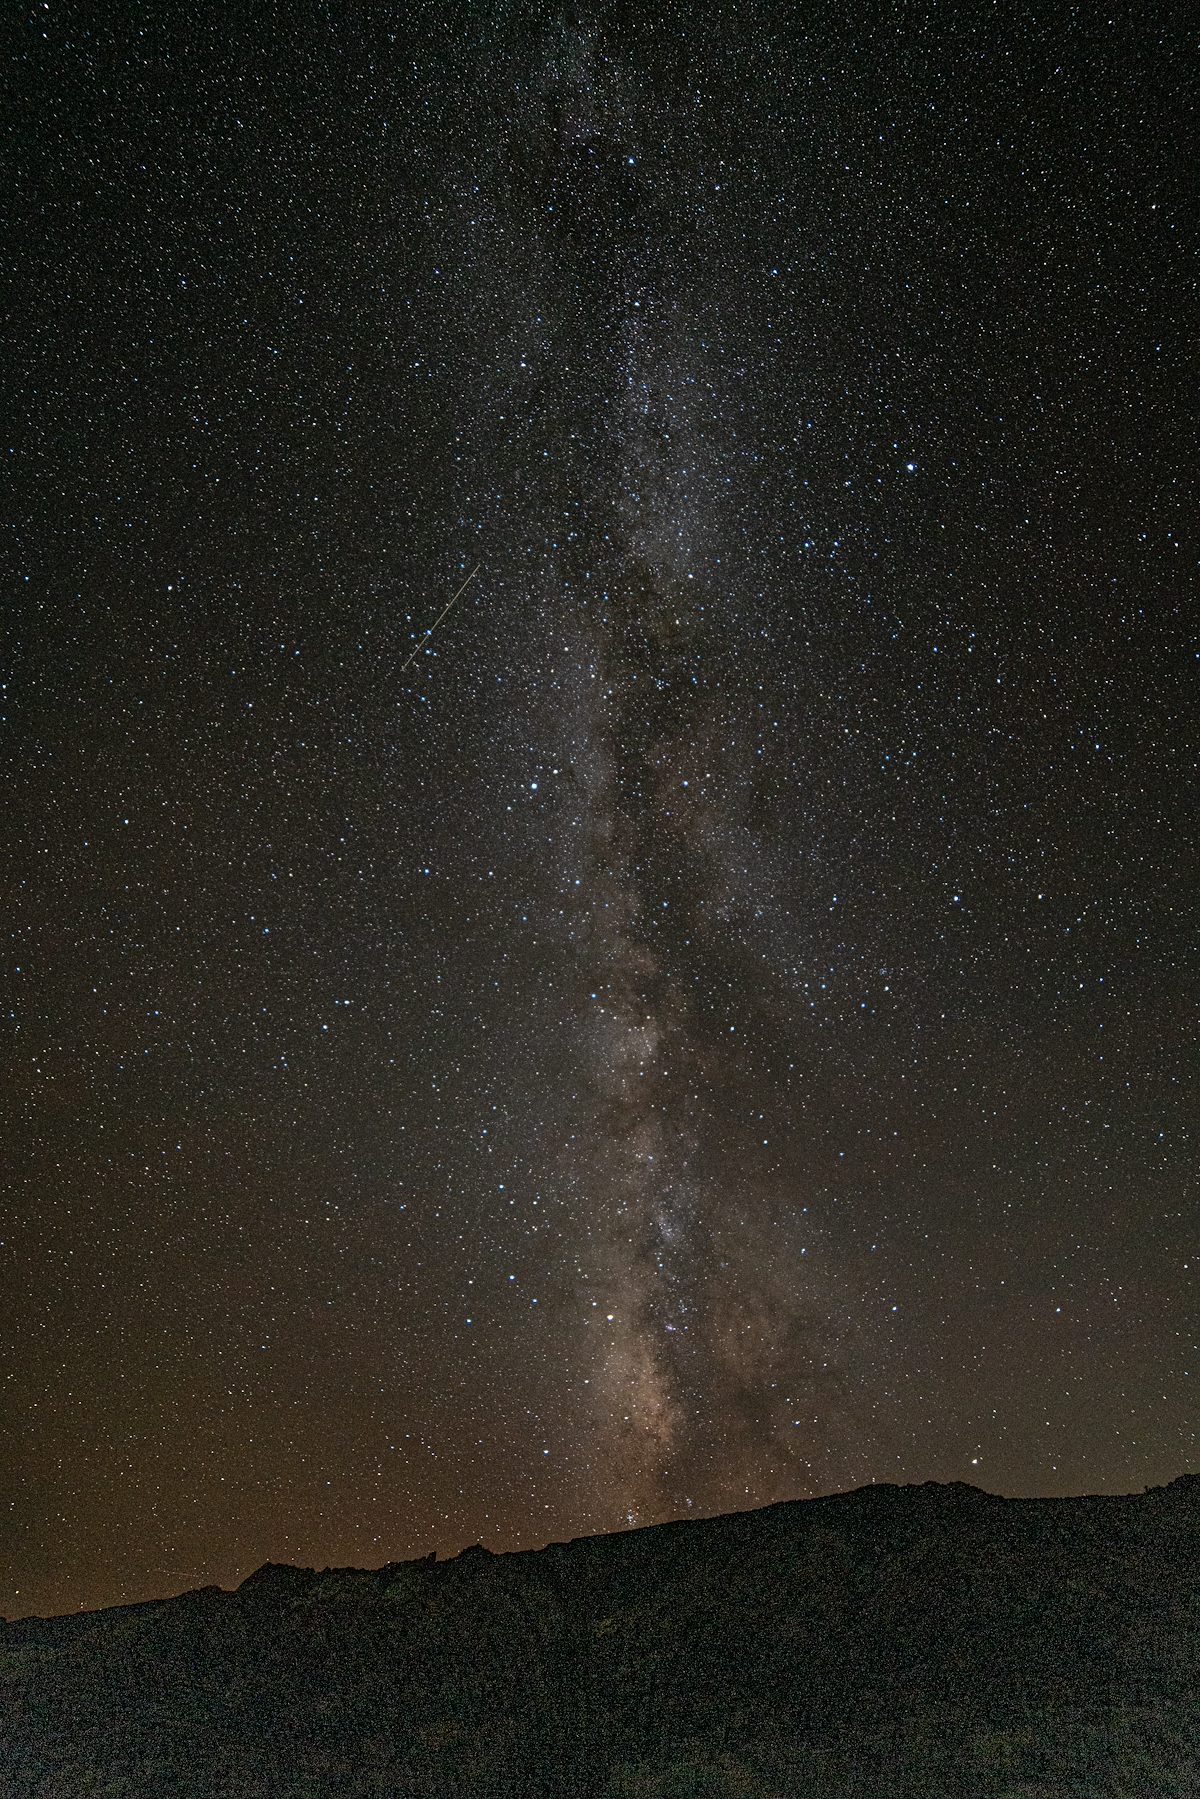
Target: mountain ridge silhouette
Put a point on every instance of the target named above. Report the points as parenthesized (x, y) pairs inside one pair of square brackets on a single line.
[(932, 1639)]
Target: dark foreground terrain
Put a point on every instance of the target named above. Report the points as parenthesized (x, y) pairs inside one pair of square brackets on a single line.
[(897, 1641)]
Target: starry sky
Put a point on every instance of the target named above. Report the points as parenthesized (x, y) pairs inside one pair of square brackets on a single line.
[(715, 1022)]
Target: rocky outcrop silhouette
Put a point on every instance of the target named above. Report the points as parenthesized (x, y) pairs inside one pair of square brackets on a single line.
[(931, 1640)]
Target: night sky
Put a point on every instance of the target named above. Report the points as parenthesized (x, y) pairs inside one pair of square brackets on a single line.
[(716, 1021)]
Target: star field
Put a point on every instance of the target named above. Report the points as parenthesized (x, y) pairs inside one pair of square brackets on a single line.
[(717, 1023)]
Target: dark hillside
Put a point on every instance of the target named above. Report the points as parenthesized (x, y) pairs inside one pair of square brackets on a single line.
[(895, 1641)]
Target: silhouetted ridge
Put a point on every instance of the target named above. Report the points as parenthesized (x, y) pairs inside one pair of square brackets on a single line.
[(893, 1641)]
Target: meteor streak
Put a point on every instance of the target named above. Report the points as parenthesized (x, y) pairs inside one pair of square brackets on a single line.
[(437, 621)]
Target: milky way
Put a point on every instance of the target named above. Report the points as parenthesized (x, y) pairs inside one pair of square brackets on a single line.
[(715, 1360)]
